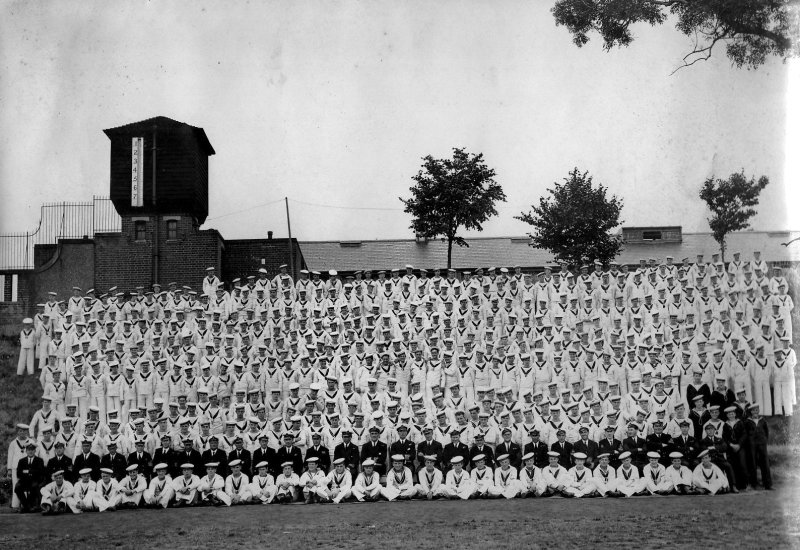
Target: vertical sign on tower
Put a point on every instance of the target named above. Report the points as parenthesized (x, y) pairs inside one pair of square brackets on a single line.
[(137, 171)]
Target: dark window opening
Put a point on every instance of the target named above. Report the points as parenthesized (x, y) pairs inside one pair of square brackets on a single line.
[(140, 230), (172, 230), (651, 235)]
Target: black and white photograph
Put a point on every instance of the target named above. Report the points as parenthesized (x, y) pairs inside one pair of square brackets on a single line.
[(365, 274)]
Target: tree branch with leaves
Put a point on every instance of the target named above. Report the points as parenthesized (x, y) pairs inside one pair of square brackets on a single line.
[(752, 30), (451, 194), (732, 203)]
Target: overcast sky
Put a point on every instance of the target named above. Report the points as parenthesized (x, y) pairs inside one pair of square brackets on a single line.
[(335, 103)]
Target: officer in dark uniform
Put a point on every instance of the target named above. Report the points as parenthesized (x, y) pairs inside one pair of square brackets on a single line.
[(31, 474)]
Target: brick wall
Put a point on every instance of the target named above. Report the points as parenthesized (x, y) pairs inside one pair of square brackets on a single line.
[(245, 257), (123, 261)]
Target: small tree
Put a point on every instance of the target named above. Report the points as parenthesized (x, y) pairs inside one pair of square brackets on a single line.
[(575, 221), (450, 194), (732, 203)]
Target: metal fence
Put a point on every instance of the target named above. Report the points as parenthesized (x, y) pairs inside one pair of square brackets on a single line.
[(59, 220)]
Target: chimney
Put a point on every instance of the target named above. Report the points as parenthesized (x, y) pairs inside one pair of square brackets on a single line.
[(269, 235)]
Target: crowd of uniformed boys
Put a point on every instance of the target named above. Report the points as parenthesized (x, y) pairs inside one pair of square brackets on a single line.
[(653, 380)]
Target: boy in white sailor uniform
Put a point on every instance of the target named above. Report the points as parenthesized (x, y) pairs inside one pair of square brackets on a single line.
[(237, 484), (554, 475), (506, 483), (482, 478), (106, 494), (707, 477), (185, 487), (368, 485), (628, 482), (262, 486), (531, 482), (339, 482), (581, 481), (55, 493), (654, 476), (399, 481), (430, 479), (605, 477), (27, 347), (457, 482), (84, 488), (212, 487), (313, 482), (160, 492), (132, 488), (286, 483), (679, 475)]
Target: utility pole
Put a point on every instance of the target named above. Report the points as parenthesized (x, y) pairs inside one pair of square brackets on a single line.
[(291, 246)]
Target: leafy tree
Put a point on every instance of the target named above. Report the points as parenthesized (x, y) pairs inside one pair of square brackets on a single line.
[(450, 194), (575, 221), (732, 203), (751, 30)]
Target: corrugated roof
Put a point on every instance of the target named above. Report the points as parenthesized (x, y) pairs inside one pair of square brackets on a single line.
[(510, 251)]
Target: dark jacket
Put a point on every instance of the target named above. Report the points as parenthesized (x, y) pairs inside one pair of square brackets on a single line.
[(61, 463), (351, 456), (450, 451), (264, 455), (246, 458), (659, 444), (430, 448), (79, 462), (145, 463), (181, 457), (539, 450), (218, 456), (487, 451), (377, 452), (293, 455), (613, 448), (117, 464), (404, 448), (323, 455), (513, 451), (589, 448), (31, 473), (637, 446), (564, 451), (688, 448)]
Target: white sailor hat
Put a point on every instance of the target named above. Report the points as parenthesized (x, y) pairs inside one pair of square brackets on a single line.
[(132, 468), (553, 454), (85, 471), (624, 455), (368, 462), (580, 455)]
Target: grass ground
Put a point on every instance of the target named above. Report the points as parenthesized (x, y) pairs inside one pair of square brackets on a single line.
[(756, 519)]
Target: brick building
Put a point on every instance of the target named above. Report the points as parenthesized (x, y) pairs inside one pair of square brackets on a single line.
[(159, 188)]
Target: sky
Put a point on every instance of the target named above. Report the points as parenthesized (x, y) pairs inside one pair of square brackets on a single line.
[(334, 104)]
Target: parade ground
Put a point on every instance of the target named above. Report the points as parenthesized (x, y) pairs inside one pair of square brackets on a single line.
[(754, 519)]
